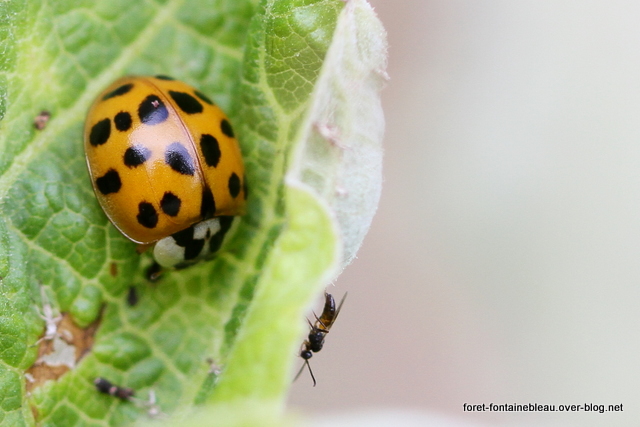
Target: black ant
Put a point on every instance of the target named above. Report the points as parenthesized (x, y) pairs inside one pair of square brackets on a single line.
[(319, 330)]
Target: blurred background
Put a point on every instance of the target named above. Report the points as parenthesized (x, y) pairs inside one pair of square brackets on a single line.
[(504, 261)]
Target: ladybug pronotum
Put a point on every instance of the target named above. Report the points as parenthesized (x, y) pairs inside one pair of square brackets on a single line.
[(165, 166)]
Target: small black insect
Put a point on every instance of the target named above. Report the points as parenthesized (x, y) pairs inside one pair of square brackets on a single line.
[(318, 332), (106, 387), (132, 296)]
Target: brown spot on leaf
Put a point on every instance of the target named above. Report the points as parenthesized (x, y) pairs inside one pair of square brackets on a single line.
[(69, 335)]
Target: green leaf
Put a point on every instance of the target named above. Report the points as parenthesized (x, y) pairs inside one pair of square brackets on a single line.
[(300, 81)]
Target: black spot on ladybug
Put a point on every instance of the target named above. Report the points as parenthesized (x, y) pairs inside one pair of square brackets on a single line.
[(100, 132), (152, 110), (182, 238), (136, 155), (244, 187), (178, 158), (225, 223), (147, 215), (216, 240), (170, 204), (203, 97), (226, 128), (109, 182), (163, 77), (186, 102), (208, 206), (234, 185), (118, 92), (193, 249), (210, 149), (122, 120)]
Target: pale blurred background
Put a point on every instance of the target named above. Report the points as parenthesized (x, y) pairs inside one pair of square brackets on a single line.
[(504, 262)]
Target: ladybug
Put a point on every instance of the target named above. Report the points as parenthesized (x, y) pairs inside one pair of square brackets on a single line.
[(165, 166)]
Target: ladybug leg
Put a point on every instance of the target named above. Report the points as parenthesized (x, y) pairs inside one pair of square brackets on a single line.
[(154, 272)]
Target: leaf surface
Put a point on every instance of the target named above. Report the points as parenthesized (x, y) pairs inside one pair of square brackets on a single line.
[(222, 331)]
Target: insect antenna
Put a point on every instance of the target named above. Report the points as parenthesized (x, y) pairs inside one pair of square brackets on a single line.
[(306, 363)]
